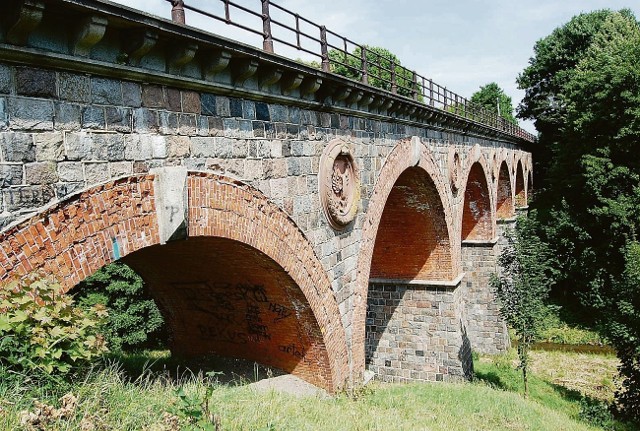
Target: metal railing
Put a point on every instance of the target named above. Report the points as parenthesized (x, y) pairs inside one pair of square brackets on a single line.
[(339, 54)]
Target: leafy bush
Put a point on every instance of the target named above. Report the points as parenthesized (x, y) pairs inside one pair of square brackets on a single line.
[(42, 331), (134, 318)]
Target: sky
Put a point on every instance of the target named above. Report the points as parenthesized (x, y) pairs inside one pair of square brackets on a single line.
[(460, 44)]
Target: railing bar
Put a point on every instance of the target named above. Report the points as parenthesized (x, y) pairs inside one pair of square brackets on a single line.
[(294, 46)]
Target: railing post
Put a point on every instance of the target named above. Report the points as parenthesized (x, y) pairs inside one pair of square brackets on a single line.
[(267, 43), (394, 84), (177, 11), (365, 76), (414, 86), (324, 50), (431, 101)]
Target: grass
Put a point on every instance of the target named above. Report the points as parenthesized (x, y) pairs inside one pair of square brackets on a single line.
[(143, 396)]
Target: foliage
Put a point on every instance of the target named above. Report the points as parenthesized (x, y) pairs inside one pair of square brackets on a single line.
[(522, 287), (583, 90), (379, 62), (490, 97), (134, 318), (109, 399), (41, 331)]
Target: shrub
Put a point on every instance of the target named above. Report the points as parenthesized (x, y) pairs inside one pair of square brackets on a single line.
[(42, 331), (134, 320)]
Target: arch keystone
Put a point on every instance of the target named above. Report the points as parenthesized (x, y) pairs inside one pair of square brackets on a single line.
[(170, 184)]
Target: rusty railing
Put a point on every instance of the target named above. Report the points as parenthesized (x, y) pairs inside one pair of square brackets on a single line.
[(336, 53)]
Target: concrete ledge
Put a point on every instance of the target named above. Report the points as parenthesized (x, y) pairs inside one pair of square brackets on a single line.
[(447, 284), (479, 242)]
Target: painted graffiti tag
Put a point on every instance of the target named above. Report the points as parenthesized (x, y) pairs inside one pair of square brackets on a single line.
[(280, 311), (293, 350)]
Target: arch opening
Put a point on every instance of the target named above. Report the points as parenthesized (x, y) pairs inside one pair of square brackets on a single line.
[(529, 187), (521, 199), (504, 201), (412, 241), (223, 297), (476, 215)]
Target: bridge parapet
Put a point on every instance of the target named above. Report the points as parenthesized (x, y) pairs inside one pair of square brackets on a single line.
[(90, 35)]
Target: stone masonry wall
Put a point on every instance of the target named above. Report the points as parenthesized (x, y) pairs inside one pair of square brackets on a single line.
[(416, 332), (485, 327)]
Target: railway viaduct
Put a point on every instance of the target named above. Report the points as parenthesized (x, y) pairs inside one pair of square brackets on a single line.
[(277, 212)]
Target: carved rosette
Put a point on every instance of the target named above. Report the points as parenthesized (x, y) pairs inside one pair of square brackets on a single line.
[(339, 184)]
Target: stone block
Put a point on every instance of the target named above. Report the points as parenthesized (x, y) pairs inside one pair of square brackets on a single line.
[(191, 102), (93, 118), (187, 124), (120, 169), (96, 173), (178, 146), (153, 96), (131, 94), (118, 119), (208, 104), (204, 147), (5, 79), (106, 91), (158, 146), (248, 110), (74, 88), (168, 122), (235, 107), (10, 174), (49, 146), (41, 173), (71, 171), (35, 82), (17, 147), (222, 106), (27, 197), (65, 189), (30, 114), (262, 111), (145, 120), (68, 116)]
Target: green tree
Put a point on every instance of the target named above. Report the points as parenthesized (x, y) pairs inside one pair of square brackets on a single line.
[(522, 287), (490, 97), (379, 61), (134, 318), (583, 90)]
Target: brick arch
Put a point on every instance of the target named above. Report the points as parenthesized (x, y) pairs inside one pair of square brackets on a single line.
[(477, 221), (74, 238), (520, 193), (407, 156), (504, 197)]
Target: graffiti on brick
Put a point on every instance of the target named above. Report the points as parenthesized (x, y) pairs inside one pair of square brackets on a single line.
[(292, 350), (257, 330), (224, 334), (248, 292), (280, 311)]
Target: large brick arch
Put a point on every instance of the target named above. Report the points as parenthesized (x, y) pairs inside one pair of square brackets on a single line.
[(407, 162), (74, 238), (504, 197), (478, 213), (520, 191)]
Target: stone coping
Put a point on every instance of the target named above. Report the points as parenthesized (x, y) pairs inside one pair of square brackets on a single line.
[(509, 220), (447, 284), (479, 242)]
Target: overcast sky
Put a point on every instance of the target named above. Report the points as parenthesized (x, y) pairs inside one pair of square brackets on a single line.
[(461, 44)]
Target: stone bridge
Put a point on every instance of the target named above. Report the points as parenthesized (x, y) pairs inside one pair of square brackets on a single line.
[(276, 212)]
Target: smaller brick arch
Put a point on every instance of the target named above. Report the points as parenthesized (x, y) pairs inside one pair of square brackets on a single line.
[(412, 159), (477, 215), (504, 197), (520, 193)]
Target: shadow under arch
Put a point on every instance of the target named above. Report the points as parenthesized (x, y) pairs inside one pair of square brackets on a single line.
[(409, 175), (504, 197), (74, 238), (477, 212), (520, 192)]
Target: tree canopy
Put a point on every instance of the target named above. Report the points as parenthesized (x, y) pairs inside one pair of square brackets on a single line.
[(583, 91), (491, 96)]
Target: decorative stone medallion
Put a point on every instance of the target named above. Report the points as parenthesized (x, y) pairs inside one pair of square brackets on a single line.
[(339, 184)]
